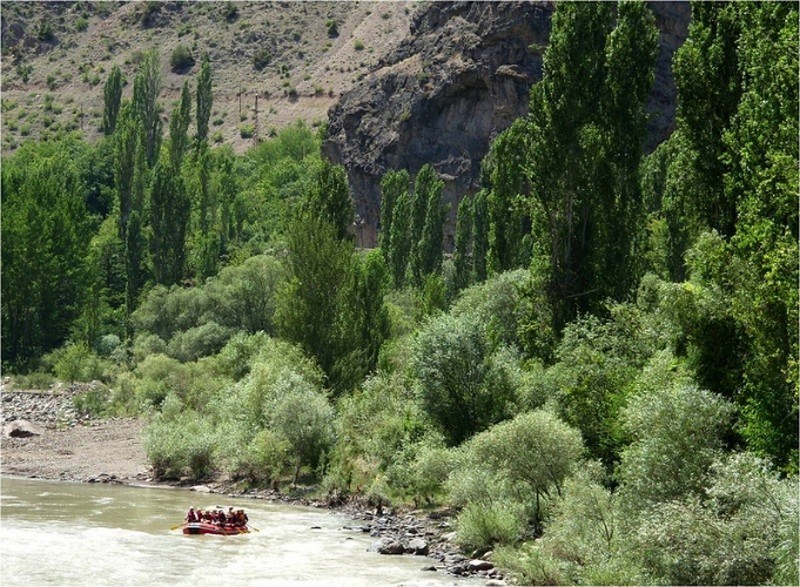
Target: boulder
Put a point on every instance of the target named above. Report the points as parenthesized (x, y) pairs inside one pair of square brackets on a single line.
[(417, 546), (387, 546), (477, 564), (20, 429)]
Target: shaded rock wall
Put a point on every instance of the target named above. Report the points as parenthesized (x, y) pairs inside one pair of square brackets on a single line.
[(461, 77)]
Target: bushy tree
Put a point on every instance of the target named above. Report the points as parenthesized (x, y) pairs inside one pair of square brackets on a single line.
[(452, 362), (308, 311), (535, 453), (46, 231), (677, 432)]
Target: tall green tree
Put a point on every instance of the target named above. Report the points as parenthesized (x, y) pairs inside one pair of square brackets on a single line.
[(506, 200), (146, 88), (763, 180), (462, 256), (179, 127), (309, 305), (584, 149), (393, 184), (331, 199), (46, 231), (427, 225), (709, 84), (400, 238), (169, 220), (365, 324), (112, 98), (425, 178), (480, 232), (204, 100), (630, 55)]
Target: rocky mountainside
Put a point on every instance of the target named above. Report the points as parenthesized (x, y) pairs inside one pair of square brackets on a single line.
[(291, 59), (461, 76)]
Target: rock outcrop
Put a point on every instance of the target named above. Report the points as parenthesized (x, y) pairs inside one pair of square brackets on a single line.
[(461, 77)]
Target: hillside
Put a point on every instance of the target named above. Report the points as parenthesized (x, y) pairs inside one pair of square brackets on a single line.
[(57, 56)]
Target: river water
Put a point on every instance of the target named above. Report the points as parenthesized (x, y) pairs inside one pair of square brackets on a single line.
[(58, 533)]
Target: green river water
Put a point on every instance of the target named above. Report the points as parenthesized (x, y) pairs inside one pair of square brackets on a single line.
[(57, 533)]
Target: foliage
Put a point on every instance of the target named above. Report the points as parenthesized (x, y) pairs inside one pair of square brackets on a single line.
[(261, 58), (308, 309), (46, 229), (75, 362), (482, 526), (181, 58), (112, 96), (677, 433), (453, 365)]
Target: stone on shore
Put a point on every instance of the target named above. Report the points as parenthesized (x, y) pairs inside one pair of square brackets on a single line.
[(417, 546), (20, 429), (479, 565), (387, 546)]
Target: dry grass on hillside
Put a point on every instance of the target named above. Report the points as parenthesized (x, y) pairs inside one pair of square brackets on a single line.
[(57, 56)]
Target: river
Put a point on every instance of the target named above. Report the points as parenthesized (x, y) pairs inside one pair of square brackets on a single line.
[(58, 533)]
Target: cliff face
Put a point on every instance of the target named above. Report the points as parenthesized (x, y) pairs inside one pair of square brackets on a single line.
[(462, 76)]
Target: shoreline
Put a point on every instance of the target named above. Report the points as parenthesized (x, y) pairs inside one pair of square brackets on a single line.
[(64, 446)]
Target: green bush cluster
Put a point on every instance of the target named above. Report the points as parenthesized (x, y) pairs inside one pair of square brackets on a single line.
[(181, 58)]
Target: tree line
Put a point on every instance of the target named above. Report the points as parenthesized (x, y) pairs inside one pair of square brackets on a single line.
[(601, 378)]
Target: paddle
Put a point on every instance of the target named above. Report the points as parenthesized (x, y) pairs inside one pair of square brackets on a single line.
[(176, 527), (254, 529)]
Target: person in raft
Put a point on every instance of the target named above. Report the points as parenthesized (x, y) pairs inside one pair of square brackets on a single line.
[(192, 516)]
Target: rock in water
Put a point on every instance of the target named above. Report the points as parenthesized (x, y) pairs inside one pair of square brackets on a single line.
[(387, 546), (417, 546)]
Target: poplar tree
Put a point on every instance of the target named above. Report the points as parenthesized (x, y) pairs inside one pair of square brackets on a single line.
[(480, 231), (426, 217), (392, 185), (112, 97), (400, 238), (146, 88), (331, 199), (430, 245), (462, 256), (204, 100), (179, 127)]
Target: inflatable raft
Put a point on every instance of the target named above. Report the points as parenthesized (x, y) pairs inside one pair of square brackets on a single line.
[(206, 528)]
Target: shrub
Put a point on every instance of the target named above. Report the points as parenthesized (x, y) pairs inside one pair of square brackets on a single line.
[(304, 417), (230, 11), (180, 446), (75, 362), (201, 341), (677, 432), (94, 402), (332, 27), (261, 58), (107, 344), (246, 131), (46, 32), (481, 526), (264, 459), (34, 380), (181, 58), (81, 24), (358, 45)]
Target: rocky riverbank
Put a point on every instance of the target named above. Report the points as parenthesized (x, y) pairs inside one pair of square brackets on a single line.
[(62, 444)]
